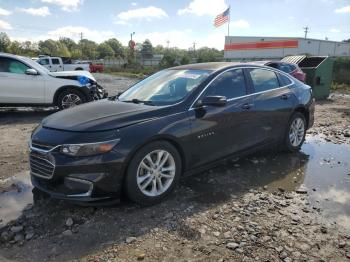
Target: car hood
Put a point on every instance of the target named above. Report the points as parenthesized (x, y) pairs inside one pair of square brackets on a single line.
[(72, 74), (101, 115)]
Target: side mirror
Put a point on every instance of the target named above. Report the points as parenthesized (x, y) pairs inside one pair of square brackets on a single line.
[(213, 101), (31, 72)]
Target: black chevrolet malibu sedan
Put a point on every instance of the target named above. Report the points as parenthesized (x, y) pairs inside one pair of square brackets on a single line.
[(172, 123)]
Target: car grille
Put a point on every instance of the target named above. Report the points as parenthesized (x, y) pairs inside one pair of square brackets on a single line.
[(41, 167)]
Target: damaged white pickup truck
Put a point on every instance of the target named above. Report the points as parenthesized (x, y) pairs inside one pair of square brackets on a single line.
[(23, 82)]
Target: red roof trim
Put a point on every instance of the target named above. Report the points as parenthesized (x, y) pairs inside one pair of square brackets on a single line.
[(262, 45)]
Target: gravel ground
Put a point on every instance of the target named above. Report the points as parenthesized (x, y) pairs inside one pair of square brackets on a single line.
[(267, 207)]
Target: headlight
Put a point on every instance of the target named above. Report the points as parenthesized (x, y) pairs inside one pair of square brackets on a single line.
[(88, 149)]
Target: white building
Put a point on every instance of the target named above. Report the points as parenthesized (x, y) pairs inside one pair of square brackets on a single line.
[(242, 47)]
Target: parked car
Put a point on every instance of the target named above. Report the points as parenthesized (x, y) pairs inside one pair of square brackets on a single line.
[(173, 123), (55, 64), (96, 68), (23, 82), (290, 68)]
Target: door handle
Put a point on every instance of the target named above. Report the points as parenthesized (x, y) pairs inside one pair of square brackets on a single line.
[(246, 106), (284, 97)]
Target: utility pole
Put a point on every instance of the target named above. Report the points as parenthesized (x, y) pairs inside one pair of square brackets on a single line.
[(194, 49), (306, 30), (81, 44)]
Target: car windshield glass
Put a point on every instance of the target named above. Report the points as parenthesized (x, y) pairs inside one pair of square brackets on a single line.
[(165, 87)]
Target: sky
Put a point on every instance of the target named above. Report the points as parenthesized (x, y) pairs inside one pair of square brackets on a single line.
[(181, 22)]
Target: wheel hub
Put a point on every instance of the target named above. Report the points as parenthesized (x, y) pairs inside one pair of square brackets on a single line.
[(156, 173)]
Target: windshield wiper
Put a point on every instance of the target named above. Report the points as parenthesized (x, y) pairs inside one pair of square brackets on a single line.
[(138, 101)]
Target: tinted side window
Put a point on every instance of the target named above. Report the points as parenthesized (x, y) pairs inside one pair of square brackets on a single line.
[(285, 68), (10, 65), (230, 84), (292, 68), (285, 80), (263, 80), (55, 61)]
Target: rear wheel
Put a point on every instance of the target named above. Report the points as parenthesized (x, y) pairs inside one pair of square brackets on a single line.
[(70, 98), (296, 131), (153, 173)]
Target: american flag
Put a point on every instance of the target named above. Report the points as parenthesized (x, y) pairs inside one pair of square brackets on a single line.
[(222, 18)]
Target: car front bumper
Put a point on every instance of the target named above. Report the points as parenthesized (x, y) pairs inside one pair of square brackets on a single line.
[(95, 92), (83, 179)]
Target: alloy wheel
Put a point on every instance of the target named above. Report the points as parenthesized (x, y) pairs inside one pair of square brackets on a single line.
[(71, 100), (296, 132), (156, 173)]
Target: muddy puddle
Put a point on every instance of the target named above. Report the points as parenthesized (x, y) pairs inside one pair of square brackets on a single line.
[(15, 196), (321, 168)]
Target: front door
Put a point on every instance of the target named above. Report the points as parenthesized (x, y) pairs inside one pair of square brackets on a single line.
[(221, 131), (16, 87)]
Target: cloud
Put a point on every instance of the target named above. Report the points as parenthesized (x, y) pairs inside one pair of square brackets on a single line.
[(120, 22), (5, 12), (239, 24), (334, 30), (66, 5), (134, 4), (5, 25), (147, 13), (204, 7), (75, 31), (42, 11), (343, 10)]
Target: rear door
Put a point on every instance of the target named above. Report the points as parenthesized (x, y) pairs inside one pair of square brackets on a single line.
[(16, 87), (221, 131), (273, 103)]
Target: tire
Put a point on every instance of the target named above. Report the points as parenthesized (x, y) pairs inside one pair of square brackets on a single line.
[(63, 101), (294, 140), (138, 176), (79, 69)]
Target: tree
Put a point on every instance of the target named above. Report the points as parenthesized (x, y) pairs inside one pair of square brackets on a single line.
[(206, 54), (16, 48), (88, 49), (69, 43), (116, 46), (62, 50), (146, 49), (159, 49), (48, 47), (168, 60), (105, 51), (347, 40), (4, 42)]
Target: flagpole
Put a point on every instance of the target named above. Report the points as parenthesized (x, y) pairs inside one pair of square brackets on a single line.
[(229, 18)]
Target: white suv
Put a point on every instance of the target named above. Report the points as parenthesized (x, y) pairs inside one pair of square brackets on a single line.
[(23, 82)]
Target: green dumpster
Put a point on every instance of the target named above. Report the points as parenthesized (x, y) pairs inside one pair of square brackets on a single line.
[(318, 70)]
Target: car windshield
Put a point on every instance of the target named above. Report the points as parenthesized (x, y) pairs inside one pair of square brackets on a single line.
[(166, 87)]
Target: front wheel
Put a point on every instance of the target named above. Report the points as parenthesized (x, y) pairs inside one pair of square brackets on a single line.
[(70, 98), (296, 131), (153, 173)]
